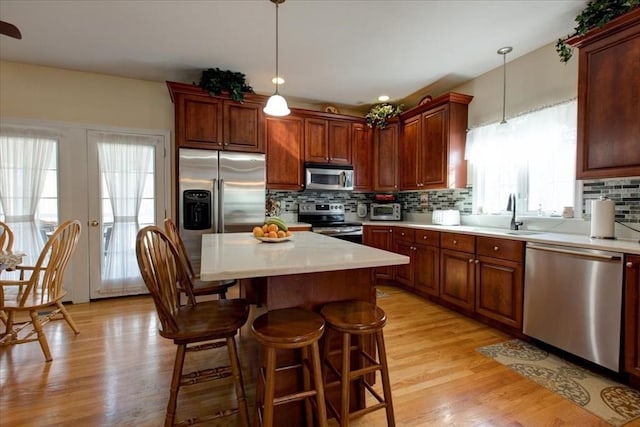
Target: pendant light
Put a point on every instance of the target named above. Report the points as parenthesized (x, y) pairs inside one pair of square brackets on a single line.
[(503, 51), (277, 105)]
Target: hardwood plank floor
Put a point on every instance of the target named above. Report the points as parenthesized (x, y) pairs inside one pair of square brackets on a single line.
[(116, 372)]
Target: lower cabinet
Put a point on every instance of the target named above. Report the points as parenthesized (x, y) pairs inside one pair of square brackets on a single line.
[(500, 280), (423, 248), (381, 237), (632, 317), (457, 272)]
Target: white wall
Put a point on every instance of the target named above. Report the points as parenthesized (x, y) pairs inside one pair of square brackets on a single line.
[(533, 80)]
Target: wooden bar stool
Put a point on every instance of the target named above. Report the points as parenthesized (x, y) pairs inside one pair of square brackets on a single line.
[(290, 328), (361, 319)]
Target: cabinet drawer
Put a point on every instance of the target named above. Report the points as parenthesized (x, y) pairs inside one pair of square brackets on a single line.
[(458, 242), (501, 248), (428, 237), (404, 233)]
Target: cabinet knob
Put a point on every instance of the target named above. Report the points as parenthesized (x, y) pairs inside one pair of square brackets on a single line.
[(424, 237), (402, 233), (495, 248), (390, 230), (219, 143), (455, 242), (470, 260), (477, 261), (629, 264)]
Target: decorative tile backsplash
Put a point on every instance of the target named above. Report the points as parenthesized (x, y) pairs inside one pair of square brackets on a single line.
[(625, 192)]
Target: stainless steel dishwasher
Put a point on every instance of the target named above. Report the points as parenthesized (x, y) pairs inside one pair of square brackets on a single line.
[(573, 301)]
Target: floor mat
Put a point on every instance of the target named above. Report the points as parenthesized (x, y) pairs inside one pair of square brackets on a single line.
[(615, 403)]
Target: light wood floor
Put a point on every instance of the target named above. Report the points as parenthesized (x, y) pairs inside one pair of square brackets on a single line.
[(117, 373)]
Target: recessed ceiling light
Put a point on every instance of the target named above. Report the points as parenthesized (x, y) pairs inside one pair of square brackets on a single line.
[(277, 80), (383, 98)]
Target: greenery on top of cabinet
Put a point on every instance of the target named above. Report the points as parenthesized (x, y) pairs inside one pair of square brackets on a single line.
[(595, 15), (215, 80)]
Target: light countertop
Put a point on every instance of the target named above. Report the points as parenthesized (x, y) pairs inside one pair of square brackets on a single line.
[(629, 246), (240, 255)]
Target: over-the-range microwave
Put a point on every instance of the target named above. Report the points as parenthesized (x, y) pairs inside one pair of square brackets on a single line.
[(320, 176)]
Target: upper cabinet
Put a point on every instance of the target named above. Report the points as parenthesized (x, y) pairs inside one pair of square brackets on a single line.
[(219, 123), (362, 156), (609, 99), (284, 141), (432, 144), (385, 158), (327, 141)]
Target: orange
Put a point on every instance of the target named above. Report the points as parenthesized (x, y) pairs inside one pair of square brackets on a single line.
[(273, 234), (265, 229), (273, 227), (288, 233), (281, 234), (258, 232)]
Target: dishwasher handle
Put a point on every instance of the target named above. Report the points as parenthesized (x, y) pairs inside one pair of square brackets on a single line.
[(600, 257)]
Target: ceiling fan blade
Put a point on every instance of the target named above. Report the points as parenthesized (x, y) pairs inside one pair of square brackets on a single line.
[(10, 30)]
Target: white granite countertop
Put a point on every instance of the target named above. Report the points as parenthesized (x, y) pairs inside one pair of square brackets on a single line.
[(630, 246), (240, 256)]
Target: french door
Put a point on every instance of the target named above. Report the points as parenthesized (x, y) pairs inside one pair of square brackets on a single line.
[(126, 188), (114, 181)]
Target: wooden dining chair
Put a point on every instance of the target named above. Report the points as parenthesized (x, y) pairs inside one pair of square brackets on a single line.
[(200, 287), (6, 237), (192, 327), (40, 295)]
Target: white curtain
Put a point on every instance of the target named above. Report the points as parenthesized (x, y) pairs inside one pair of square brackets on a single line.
[(532, 155), (25, 154), (124, 165)]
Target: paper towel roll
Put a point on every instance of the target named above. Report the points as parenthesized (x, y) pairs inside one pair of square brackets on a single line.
[(603, 218)]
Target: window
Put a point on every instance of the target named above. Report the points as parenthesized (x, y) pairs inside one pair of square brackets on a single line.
[(532, 155)]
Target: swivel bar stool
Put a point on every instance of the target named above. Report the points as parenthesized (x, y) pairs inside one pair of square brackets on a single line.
[(360, 319)]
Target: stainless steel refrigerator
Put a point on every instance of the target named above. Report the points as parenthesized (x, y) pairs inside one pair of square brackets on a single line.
[(219, 192)]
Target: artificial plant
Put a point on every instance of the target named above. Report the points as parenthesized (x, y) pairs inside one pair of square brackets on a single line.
[(380, 114), (595, 15), (215, 81)]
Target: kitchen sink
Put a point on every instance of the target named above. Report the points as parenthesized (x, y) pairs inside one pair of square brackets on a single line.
[(522, 232)]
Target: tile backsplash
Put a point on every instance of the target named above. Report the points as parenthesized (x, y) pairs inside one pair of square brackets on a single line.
[(625, 192)]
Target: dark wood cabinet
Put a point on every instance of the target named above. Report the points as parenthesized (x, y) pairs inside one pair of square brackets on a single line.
[(432, 144), (500, 280), (284, 146), (327, 141), (632, 317), (362, 156), (381, 237), (218, 123), (457, 270), (385, 169), (422, 247), (609, 99)]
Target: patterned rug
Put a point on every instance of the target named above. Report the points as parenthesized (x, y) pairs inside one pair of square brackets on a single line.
[(615, 403), (380, 294)]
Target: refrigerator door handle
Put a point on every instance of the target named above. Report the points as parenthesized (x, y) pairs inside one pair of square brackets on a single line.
[(221, 207), (215, 206)]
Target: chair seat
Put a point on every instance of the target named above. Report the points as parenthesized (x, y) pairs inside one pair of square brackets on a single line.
[(36, 299), (203, 287), (288, 328), (354, 316), (208, 320)]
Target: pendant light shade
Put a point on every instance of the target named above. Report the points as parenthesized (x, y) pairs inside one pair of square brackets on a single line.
[(503, 51), (277, 105)]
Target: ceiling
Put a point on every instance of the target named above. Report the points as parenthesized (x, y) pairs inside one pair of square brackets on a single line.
[(347, 52)]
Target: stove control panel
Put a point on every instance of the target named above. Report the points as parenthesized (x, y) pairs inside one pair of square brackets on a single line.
[(322, 208)]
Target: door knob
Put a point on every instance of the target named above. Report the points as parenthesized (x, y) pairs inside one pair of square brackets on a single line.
[(94, 223)]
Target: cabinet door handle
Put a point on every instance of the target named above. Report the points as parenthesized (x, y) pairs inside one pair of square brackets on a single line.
[(629, 264), (470, 260), (496, 248), (455, 242), (390, 231), (424, 237), (477, 261)]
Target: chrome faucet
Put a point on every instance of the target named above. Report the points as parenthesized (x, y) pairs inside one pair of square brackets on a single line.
[(511, 206)]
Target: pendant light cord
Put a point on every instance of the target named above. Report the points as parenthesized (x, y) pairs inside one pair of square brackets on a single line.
[(504, 86), (277, 74)]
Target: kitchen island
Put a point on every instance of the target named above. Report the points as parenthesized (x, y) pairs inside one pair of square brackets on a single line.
[(307, 271)]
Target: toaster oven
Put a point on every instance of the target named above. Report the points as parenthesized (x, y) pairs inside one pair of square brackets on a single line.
[(385, 212)]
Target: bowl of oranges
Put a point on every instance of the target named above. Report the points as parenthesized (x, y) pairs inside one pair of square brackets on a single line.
[(273, 230)]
